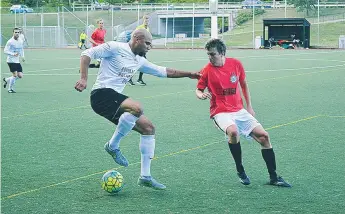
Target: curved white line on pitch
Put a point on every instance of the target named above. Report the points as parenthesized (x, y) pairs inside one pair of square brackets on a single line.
[(292, 69)]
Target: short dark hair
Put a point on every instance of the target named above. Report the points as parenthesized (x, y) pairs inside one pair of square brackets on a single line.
[(16, 28), (218, 44)]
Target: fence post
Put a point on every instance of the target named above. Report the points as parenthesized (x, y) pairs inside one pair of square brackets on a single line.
[(15, 18), (33, 35), (58, 28), (112, 22), (166, 26), (138, 16), (193, 26), (87, 15), (51, 40), (173, 28), (254, 23), (42, 36), (63, 23), (223, 25), (318, 22)]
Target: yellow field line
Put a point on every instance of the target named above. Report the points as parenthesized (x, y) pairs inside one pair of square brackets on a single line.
[(293, 122), (160, 157), (43, 112), (339, 116), (87, 106)]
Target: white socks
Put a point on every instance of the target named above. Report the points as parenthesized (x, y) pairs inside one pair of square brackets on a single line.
[(126, 124), (147, 149), (147, 142), (11, 81)]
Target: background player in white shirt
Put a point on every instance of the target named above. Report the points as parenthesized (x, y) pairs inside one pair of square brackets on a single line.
[(14, 50), (119, 64), (22, 36)]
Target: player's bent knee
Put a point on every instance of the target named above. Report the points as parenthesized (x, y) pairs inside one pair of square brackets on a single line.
[(264, 140), (132, 107), (265, 137), (148, 129), (232, 132), (135, 109)]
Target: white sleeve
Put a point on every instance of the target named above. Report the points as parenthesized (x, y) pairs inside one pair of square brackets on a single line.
[(101, 51), (22, 52), (7, 49), (155, 70)]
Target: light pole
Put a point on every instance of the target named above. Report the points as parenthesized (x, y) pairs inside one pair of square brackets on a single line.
[(318, 22), (213, 5)]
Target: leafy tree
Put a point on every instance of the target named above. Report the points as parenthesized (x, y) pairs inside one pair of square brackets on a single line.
[(304, 5)]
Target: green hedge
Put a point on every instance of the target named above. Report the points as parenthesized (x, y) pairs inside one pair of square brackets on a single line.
[(246, 15)]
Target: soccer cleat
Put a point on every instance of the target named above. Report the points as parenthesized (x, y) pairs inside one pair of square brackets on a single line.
[(244, 179), (5, 82), (11, 91), (279, 182), (148, 181), (92, 65), (140, 82), (117, 155), (130, 82)]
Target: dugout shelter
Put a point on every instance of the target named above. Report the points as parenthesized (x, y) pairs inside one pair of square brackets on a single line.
[(282, 29)]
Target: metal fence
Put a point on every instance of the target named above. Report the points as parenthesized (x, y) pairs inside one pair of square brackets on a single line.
[(172, 25)]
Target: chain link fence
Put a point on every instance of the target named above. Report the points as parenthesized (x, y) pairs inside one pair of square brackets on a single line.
[(172, 25)]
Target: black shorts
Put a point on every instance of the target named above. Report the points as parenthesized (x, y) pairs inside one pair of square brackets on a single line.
[(106, 102), (15, 67), (82, 41)]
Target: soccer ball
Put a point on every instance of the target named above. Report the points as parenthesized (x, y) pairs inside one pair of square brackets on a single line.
[(112, 181)]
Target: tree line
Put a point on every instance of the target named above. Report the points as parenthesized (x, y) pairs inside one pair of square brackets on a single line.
[(301, 5)]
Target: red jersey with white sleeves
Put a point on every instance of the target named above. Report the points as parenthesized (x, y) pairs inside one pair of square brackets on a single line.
[(223, 84), (98, 36)]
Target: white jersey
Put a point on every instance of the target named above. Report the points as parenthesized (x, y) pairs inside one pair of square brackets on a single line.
[(119, 64), (12, 47), (22, 37)]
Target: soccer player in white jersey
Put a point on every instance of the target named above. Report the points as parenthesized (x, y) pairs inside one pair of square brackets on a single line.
[(22, 36), (14, 50), (119, 64)]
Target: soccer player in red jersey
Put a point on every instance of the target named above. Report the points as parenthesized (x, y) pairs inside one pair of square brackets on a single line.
[(97, 38), (224, 78), (98, 35)]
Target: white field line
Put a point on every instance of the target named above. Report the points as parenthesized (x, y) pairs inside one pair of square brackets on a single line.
[(286, 54), (203, 59), (198, 59), (248, 71), (294, 69)]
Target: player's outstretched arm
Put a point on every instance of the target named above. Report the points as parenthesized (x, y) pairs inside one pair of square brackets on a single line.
[(173, 73), (84, 65), (159, 71)]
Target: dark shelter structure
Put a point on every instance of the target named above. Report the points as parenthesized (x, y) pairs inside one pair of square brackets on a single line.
[(286, 32)]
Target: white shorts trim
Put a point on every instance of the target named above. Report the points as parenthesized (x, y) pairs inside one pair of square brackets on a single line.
[(244, 121)]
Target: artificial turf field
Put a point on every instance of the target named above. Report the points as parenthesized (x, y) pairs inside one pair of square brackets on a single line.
[(52, 156)]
